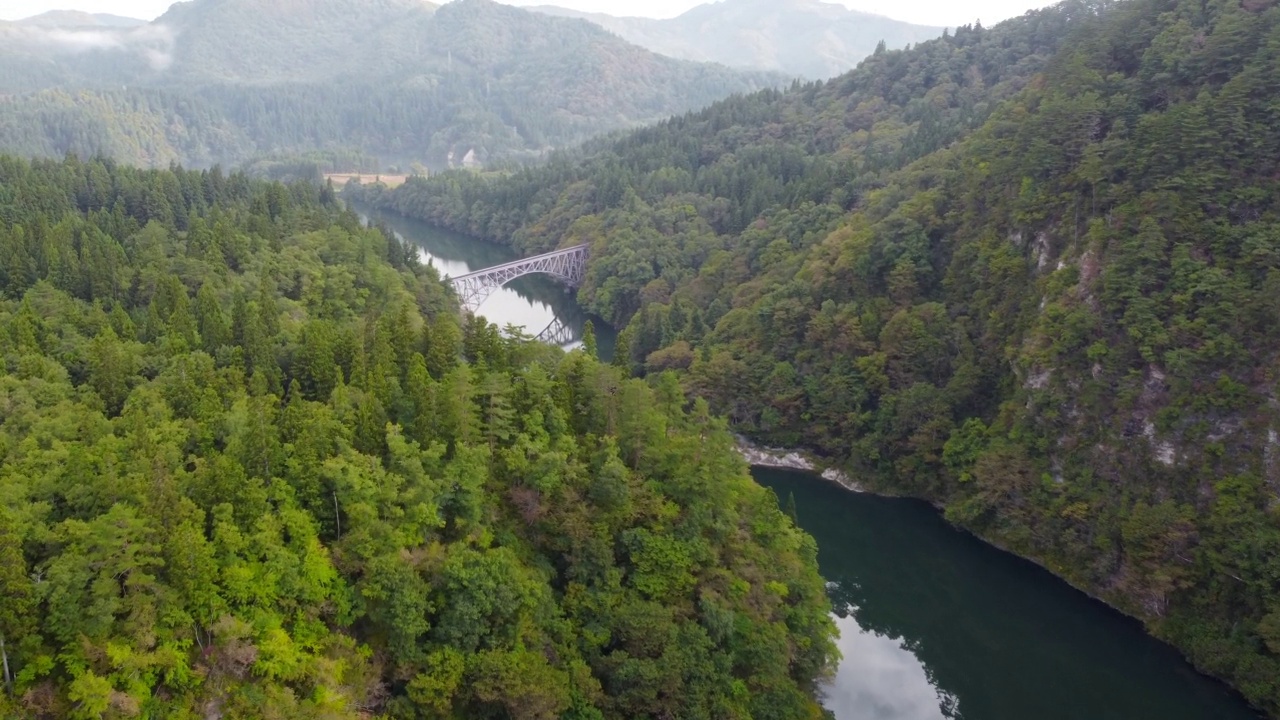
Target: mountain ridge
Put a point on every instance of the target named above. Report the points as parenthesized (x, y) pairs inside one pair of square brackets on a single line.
[(400, 80), (79, 19), (806, 38)]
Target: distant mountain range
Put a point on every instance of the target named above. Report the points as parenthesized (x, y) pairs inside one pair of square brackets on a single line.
[(808, 38), (402, 80)]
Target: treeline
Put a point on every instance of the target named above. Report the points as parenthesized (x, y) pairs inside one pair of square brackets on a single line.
[(1043, 295), (252, 464)]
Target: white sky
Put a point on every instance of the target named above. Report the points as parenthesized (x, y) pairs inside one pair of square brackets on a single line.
[(925, 12)]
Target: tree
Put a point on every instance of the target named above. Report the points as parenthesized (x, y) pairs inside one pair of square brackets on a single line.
[(211, 323), (589, 339), (111, 370), (17, 620)]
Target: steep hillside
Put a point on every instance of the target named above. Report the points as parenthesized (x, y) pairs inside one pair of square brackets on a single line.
[(141, 127), (271, 41), (802, 38), (396, 79), (1053, 313), (254, 464)]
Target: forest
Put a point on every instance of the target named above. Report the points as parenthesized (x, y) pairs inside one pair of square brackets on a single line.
[(399, 80), (1027, 272), (254, 464)]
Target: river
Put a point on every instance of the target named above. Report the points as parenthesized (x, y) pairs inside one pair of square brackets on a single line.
[(933, 623), (937, 624), (531, 302)]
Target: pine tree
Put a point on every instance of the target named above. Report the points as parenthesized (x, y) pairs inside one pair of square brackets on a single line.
[(110, 370), (589, 339), (17, 619), (622, 351), (182, 324), (211, 322)]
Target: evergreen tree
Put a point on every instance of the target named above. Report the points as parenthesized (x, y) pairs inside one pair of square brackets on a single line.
[(589, 339)]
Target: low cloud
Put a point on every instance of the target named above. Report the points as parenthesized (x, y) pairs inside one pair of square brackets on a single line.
[(77, 41), (154, 43)]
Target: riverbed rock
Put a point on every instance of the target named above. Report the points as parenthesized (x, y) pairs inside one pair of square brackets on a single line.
[(758, 456)]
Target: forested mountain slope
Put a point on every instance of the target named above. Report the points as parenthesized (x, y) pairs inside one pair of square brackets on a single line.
[(225, 81), (802, 38), (1052, 311), (252, 464)]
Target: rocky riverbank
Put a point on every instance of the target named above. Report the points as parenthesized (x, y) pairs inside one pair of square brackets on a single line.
[(793, 460)]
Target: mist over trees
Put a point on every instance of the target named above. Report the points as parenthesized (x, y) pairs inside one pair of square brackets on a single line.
[(404, 82)]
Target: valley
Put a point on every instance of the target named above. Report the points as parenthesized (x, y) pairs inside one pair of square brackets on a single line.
[(1023, 272), (259, 457), (226, 83)]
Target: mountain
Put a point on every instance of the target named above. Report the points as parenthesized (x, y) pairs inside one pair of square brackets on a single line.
[(805, 38), (264, 42), (1028, 273), (400, 81), (76, 20)]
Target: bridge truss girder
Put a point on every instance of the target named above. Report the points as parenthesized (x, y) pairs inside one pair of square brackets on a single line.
[(568, 266)]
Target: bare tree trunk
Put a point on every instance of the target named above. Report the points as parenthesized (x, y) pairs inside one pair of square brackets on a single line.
[(8, 678), (337, 514)]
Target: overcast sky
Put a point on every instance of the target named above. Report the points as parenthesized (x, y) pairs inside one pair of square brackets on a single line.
[(925, 12)]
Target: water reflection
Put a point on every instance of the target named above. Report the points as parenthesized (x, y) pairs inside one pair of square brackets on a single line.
[(532, 302), (881, 679), (936, 624)]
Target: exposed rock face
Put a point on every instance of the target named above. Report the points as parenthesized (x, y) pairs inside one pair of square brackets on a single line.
[(793, 460)]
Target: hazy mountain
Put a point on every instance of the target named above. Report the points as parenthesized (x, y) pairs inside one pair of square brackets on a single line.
[(809, 38), (75, 19), (402, 80), (262, 41)]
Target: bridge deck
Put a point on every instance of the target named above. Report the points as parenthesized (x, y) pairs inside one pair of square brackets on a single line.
[(521, 262)]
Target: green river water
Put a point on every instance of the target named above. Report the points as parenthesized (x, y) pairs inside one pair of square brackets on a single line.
[(937, 624)]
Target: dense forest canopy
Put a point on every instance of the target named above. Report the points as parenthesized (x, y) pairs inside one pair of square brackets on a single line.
[(252, 464), (225, 82), (1028, 272)]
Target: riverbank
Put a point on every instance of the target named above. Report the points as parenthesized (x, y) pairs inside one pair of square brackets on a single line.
[(758, 456), (765, 457), (931, 618)]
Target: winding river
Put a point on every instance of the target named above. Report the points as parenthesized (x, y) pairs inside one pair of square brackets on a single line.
[(532, 302), (934, 624), (937, 624)]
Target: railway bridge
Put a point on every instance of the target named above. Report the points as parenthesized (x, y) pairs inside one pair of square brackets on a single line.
[(567, 265)]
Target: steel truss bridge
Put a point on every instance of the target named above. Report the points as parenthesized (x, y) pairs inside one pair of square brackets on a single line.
[(568, 266)]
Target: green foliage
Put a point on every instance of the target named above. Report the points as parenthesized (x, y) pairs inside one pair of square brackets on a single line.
[(342, 85), (293, 496), (1027, 272)]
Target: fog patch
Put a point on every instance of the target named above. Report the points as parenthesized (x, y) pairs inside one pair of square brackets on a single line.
[(154, 43)]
